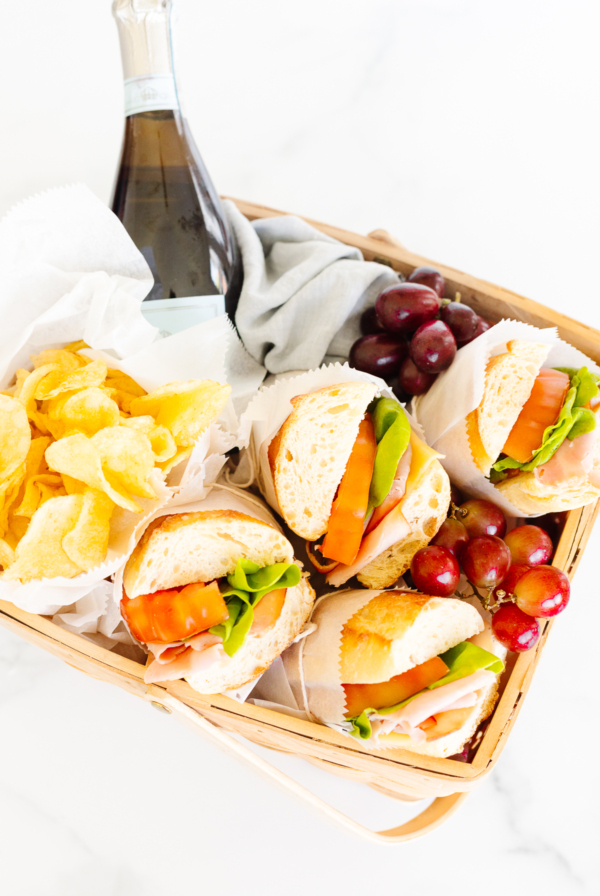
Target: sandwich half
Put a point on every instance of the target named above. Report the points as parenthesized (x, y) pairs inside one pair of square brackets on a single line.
[(348, 469), (215, 595), (418, 672), (535, 432)]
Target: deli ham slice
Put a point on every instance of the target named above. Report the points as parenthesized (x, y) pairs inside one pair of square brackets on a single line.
[(391, 529), (572, 460), (201, 652), (435, 701)]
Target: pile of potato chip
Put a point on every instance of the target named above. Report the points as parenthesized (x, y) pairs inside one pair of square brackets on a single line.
[(76, 440)]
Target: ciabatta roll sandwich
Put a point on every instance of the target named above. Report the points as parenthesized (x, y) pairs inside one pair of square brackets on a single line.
[(535, 431), (347, 465), (214, 594), (410, 671)]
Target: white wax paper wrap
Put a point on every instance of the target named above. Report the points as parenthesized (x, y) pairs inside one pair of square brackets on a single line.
[(271, 407), (70, 271), (308, 683), (443, 410)]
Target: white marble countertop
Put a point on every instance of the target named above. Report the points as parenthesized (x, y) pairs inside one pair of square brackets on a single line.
[(466, 129)]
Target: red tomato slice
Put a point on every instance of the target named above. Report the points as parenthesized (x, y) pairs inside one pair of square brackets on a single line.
[(539, 411), (268, 610), (397, 689), (345, 529), (176, 614)]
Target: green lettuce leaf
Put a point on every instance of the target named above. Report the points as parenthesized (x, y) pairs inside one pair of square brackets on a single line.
[(392, 433), (247, 585), (574, 420), (462, 660)]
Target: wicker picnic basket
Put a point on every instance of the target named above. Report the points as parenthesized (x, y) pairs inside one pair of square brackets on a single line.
[(396, 773)]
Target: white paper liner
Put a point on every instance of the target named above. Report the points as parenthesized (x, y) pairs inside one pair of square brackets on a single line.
[(269, 409), (442, 411), (69, 271), (72, 272)]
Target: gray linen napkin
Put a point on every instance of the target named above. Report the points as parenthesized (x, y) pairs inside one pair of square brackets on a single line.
[(303, 292)]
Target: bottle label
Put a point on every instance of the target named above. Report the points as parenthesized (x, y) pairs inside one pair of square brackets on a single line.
[(150, 93), (174, 315)]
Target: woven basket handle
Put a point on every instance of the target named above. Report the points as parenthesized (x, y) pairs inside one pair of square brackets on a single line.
[(434, 815)]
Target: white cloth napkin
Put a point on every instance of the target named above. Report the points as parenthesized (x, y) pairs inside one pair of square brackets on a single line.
[(303, 292)]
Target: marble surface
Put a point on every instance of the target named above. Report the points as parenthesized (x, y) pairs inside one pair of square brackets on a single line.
[(465, 129)]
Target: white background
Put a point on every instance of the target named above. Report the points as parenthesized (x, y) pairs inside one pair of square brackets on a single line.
[(469, 130)]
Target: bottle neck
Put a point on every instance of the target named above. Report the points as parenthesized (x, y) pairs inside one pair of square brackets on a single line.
[(147, 54)]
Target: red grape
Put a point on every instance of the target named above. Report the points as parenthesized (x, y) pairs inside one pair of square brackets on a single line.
[(435, 571), (515, 572), (451, 535), (485, 560), (413, 380), (543, 591), (433, 347), (403, 308), (529, 545), (456, 497), (428, 276), (461, 319), (482, 518), (369, 322), (378, 353), (514, 628), (482, 326), (553, 524)]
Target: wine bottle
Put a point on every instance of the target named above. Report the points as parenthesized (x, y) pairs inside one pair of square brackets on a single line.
[(163, 193)]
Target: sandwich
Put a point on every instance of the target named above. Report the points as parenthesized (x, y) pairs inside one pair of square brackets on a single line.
[(214, 594), (535, 433), (353, 478), (397, 669)]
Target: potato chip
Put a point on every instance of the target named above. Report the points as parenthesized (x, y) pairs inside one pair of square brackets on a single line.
[(77, 457), (40, 554), (65, 359), (7, 501), (87, 411), (38, 490), (76, 347), (72, 486), (181, 455), (185, 408), (92, 375), (127, 457), (30, 385), (15, 390), (7, 555), (87, 542), (35, 461), (161, 440), (15, 436)]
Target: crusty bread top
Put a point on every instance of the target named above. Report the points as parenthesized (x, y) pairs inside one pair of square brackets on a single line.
[(398, 630), (308, 456), (200, 547), (509, 380)]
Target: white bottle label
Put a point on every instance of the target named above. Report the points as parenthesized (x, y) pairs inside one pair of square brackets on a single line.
[(150, 93), (174, 315)]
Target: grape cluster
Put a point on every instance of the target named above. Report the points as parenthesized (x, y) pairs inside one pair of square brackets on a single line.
[(412, 333), (511, 569)]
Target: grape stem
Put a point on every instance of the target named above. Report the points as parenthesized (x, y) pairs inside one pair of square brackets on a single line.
[(487, 601)]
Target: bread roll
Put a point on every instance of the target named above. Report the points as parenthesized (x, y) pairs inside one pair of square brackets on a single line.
[(398, 630)]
